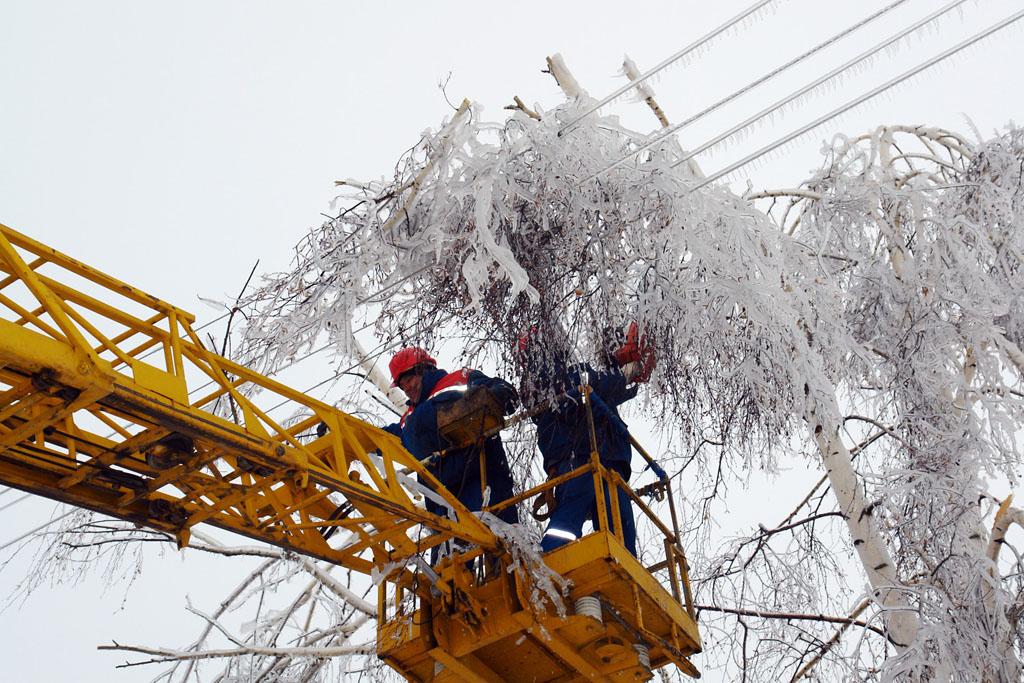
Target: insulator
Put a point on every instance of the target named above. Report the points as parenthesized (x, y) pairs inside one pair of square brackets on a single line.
[(588, 606), (643, 653)]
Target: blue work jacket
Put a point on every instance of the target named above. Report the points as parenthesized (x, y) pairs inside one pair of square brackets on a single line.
[(563, 433), (458, 470)]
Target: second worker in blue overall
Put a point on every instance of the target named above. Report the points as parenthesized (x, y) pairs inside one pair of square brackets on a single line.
[(564, 439)]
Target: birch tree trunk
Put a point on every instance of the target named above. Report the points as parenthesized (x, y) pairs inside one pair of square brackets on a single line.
[(1009, 669), (901, 623)]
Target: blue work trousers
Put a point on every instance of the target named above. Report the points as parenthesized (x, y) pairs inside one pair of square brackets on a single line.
[(576, 502)]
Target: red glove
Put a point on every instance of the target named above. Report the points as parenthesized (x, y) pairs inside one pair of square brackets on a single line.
[(636, 356)]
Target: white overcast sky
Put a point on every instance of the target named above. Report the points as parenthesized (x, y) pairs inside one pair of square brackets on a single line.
[(174, 144)]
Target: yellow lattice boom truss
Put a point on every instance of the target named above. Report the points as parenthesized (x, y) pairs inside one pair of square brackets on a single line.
[(110, 401)]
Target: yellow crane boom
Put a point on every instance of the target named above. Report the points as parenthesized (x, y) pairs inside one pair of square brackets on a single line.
[(110, 401)]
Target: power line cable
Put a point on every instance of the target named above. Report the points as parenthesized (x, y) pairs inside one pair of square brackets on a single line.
[(37, 529), (665, 63), (675, 128), (15, 501), (325, 346), (820, 80), (373, 355), (864, 98)]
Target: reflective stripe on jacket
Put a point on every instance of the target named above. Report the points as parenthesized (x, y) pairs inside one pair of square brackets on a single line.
[(457, 381)]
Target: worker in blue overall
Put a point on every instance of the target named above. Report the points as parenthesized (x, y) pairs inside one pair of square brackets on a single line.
[(563, 433), (458, 469)]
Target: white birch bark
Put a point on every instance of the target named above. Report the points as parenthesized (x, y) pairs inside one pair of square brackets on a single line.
[(900, 623), (566, 81), (1009, 668)]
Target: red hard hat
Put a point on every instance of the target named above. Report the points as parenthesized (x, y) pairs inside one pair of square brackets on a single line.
[(405, 360)]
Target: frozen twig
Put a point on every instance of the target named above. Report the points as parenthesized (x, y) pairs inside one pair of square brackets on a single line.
[(171, 655)]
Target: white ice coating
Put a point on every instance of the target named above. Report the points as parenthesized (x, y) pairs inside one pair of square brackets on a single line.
[(547, 589), (629, 70), (566, 81), (381, 573), (415, 487)]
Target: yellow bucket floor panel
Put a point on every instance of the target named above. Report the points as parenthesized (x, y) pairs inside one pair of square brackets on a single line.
[(514, 644)]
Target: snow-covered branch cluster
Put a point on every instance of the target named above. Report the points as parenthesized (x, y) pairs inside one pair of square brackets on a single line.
[(495, 232), (287, 619), (881, 311)]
